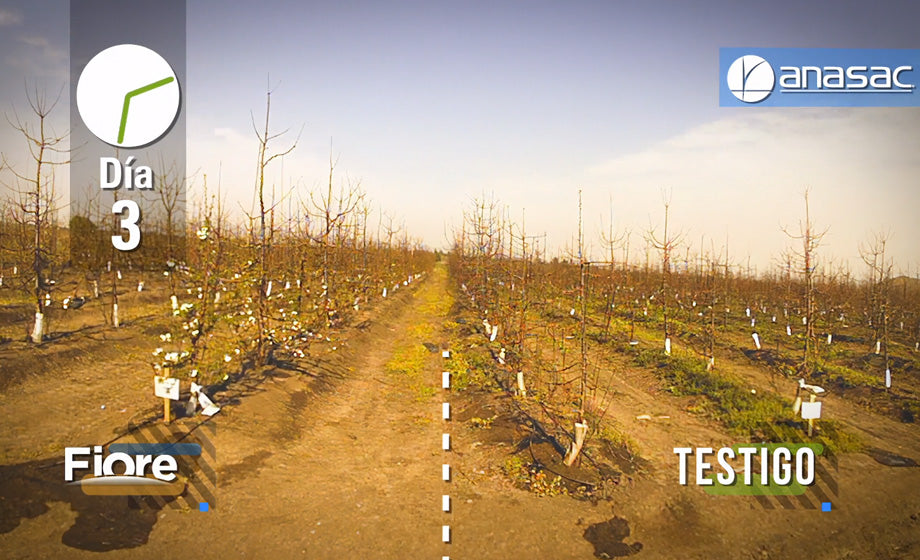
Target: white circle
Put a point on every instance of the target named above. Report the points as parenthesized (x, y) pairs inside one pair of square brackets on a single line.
[(750, 78), (128, 96)]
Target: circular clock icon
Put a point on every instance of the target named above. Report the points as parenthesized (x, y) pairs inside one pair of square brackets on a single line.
[(128, 96)]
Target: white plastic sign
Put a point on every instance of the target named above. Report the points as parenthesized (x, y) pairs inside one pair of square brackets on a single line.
[(208, 408), (811, 410), (166, 387)]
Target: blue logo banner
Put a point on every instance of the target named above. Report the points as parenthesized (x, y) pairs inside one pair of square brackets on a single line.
[(780, 77)]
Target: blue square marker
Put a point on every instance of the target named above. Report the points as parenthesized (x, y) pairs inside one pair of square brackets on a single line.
[(203, 506), (825, 506)]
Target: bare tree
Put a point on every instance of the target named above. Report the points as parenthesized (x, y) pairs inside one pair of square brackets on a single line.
[(265, 234), (333, 212), (715, 265), (581, 425), (484, 229), (873, 254), (612, 240), (811, 240), (171, 198), (666, 245), (35, 193)]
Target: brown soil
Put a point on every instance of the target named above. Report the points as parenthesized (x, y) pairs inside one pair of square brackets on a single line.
[(333, 458)]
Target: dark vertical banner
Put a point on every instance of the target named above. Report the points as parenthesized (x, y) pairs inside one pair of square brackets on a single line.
[(127, 116)]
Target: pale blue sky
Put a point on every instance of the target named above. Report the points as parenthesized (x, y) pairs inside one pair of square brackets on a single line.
[(430, 104)]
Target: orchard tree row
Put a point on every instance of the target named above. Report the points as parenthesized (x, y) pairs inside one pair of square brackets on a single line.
[(658, 289), (238, 289)]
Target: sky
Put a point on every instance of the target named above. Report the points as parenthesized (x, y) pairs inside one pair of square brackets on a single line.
[(431, 104)]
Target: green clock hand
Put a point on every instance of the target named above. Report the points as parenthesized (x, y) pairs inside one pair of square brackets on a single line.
[(128, 96)]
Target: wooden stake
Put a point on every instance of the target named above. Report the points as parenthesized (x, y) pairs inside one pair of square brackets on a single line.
[(166, 406), (811, 421)]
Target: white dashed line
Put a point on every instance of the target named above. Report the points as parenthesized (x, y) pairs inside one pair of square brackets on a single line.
[(445, 445)]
